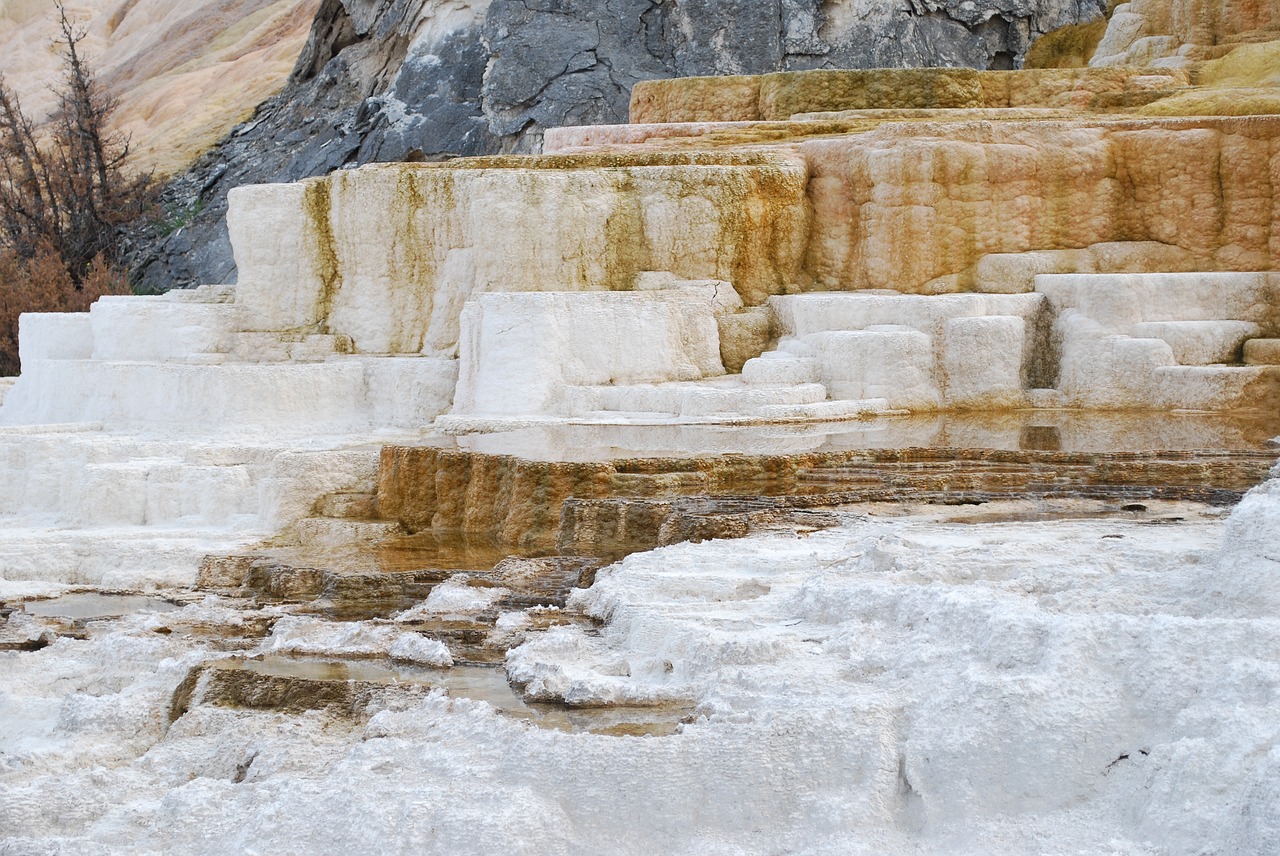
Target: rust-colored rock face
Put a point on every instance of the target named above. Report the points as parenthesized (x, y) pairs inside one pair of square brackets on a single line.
[(781, 96), (902, 206), (624, 505), (917, 174), (513, 500)]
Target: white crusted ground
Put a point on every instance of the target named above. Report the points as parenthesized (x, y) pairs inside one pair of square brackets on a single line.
[(892, 686)]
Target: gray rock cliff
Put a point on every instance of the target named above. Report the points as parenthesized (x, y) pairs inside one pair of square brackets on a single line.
[(385, 80)]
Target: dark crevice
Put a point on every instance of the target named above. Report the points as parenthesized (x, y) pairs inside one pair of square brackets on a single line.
[(331, 34)]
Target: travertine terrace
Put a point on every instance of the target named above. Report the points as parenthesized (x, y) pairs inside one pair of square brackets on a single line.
[(928, 412)]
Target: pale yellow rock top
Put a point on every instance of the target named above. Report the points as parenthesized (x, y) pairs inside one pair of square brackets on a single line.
[(185, 73), (783, 95)]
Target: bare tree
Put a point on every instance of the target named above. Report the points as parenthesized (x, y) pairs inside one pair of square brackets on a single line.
[(65, 197), (65, 184)]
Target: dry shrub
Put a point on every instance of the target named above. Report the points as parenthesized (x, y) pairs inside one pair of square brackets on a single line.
[(43, 284)]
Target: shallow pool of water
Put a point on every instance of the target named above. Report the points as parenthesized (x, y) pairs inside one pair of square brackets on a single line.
[(1029, 430), (479, 683), (94, 605)]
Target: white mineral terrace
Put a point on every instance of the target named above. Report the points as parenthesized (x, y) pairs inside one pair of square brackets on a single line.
[(1022, 676)]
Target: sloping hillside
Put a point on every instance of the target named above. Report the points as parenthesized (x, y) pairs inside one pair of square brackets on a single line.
[(184, 72)]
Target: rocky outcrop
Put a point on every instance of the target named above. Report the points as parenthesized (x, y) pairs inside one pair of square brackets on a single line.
[(815, 94), (388, 80)]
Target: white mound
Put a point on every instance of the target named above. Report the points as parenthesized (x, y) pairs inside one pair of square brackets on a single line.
[(889, 687)]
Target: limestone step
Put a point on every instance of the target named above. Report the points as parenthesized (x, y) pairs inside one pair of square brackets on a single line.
[(894, 363), (1200, 343), (1045, 398), (119, 557), (226, 398), (270, 347), (1015, 273), (780, 367), (1138, 97), (153, 329), (1257, 352), (91, 479), (348, 506), (824, 410), (1120, 300), (326, 533), (1217, 387), (803, 314), (211, 293), (160, 492), (338, 395), (690, 399)]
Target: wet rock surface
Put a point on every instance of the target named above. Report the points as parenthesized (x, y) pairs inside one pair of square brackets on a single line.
[(642, 503), (349, 630), (358, 690)]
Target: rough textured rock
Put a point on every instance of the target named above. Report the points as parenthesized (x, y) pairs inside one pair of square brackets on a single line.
[(780, 96), (419, 292), (504, 224), (622, 505), (1174, 32), (931, 205), (386, 80)]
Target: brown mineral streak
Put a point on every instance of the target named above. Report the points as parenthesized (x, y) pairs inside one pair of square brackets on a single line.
[(519, 502), (320, 227)]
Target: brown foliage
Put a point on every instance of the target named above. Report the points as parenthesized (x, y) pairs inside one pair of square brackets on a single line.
[(43, 284), (65, 198)]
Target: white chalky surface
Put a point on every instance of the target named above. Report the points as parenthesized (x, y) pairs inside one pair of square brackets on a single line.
[(892, 686)]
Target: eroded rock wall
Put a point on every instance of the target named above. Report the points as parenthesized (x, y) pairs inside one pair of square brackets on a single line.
[(388, 255), (915, 207)]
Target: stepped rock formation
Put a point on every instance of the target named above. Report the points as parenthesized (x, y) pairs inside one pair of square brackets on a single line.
[(826, 461), (433, 79), (1178, 32)]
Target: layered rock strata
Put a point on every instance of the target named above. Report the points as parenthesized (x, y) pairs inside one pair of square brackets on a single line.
[(780, 96), (536, 505), (1036, 632)]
